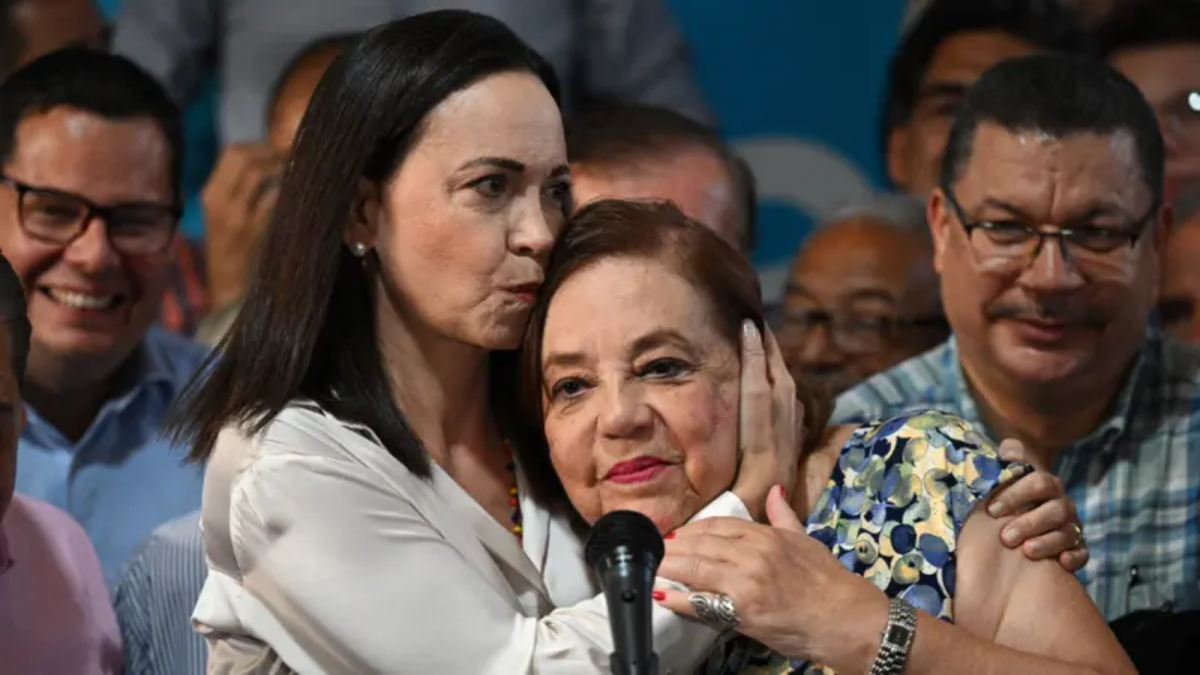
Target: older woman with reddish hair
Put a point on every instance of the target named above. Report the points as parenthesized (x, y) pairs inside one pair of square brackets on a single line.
[(630, 401)]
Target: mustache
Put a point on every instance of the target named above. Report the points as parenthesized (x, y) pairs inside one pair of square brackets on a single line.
[(1072, 310)]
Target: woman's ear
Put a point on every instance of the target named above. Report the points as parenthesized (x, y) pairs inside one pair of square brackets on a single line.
[(362, 227)]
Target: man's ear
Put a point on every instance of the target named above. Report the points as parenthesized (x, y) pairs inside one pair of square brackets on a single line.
[(897, 149), (938, 215)]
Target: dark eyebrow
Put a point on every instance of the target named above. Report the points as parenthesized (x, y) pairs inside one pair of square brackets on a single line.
[(498, 162), (872, 294), (941, 89), (1092, 212)]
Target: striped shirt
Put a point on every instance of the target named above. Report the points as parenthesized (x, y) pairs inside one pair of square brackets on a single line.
[(1135, 479), (154, 599)]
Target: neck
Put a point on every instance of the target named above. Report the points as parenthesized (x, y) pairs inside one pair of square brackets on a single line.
[(63, 396), (1045, 418), (442, 387)]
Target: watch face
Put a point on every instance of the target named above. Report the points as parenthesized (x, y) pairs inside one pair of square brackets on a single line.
[(898, 634)]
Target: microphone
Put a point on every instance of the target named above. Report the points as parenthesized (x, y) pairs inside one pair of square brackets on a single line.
[(624, 550)]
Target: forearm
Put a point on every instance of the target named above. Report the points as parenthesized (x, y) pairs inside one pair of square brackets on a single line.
[(941, 648)]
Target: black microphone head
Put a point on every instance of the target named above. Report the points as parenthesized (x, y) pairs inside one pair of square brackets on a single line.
[(623, 528)]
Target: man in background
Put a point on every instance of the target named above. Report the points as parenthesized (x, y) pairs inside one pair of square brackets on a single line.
[(634, 151), (1049, 234), (948, 47), (90, 154), (862, 295)]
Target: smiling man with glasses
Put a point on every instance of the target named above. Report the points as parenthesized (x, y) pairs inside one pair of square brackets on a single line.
[(1049, 233), (90, 148)]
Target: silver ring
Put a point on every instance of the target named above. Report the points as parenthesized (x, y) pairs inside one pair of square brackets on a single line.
[(715, 610), (1080, 539)]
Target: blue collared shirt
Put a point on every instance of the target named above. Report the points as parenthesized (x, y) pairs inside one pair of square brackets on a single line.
[(122, 479), (154, 599), (1135, 479)]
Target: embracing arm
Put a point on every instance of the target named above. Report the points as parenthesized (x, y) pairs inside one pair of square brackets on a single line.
[(346, 576), (1012, 615)]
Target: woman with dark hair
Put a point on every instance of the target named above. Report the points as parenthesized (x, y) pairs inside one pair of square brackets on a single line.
[(629, 399), (362, 513)]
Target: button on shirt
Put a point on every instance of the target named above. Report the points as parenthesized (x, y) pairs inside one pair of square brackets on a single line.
[(55, 616), (1135, 479), (122, 479)]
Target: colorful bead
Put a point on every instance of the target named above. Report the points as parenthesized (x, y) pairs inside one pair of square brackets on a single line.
[(514, 502)]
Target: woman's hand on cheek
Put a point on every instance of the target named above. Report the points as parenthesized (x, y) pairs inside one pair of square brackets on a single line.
[(789, 591), (769, 415)]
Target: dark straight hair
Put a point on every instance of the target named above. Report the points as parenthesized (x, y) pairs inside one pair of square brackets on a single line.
[(307, 329), (643, 230)]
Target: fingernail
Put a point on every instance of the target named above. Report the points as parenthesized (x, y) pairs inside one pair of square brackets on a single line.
[(1035, 548), (1011, 536), (658, 595), (670, 535), (783, 492), (748, 329), (997, 509)]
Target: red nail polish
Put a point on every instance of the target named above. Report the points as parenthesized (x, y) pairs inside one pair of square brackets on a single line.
[(670, 535), (783, 493), (658, 595)]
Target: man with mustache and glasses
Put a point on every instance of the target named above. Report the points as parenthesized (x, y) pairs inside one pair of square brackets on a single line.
[(1049, 231)]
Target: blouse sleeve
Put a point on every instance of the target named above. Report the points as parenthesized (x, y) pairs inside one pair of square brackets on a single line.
[(353, 579)]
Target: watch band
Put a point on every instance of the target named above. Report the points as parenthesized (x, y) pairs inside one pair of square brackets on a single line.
[(897, 639)]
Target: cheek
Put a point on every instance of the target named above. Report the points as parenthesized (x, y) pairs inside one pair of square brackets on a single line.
[(571, 455), (29, 258), (438, 256), (705, 429)]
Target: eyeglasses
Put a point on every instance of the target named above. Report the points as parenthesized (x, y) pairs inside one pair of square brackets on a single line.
[(1008, 246), (59, 218), (855, 332)]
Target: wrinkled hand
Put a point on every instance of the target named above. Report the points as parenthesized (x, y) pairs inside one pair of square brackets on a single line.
[(790, 593), (1046, 526), (769, 436), (238, 200)]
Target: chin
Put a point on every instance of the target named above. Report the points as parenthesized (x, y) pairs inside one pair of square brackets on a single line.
[(1034, 366)]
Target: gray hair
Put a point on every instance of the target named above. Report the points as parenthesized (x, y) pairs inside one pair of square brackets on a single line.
[(902, 211)]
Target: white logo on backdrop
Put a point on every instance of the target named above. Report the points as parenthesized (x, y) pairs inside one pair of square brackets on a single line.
[(804, 175)]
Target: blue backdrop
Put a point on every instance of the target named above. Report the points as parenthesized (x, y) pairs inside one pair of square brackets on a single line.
[(796, 85)]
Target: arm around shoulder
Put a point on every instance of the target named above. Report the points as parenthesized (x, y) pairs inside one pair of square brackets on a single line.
[(374, 568)]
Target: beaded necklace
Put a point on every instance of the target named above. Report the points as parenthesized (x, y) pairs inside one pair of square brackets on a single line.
[(514, 504)]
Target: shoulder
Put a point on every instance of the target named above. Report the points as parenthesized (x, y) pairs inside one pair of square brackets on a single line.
[(29, 516), (171, 559), (916, 383), (1168, 398), (179, 535), (943, 452), (52, 537)]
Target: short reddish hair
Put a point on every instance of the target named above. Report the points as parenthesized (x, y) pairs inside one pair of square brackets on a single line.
[(649, 230)]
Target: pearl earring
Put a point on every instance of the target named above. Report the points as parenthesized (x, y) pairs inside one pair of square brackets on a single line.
[(359, 249)]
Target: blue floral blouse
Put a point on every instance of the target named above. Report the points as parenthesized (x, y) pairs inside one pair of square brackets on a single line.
[(891, 512)]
